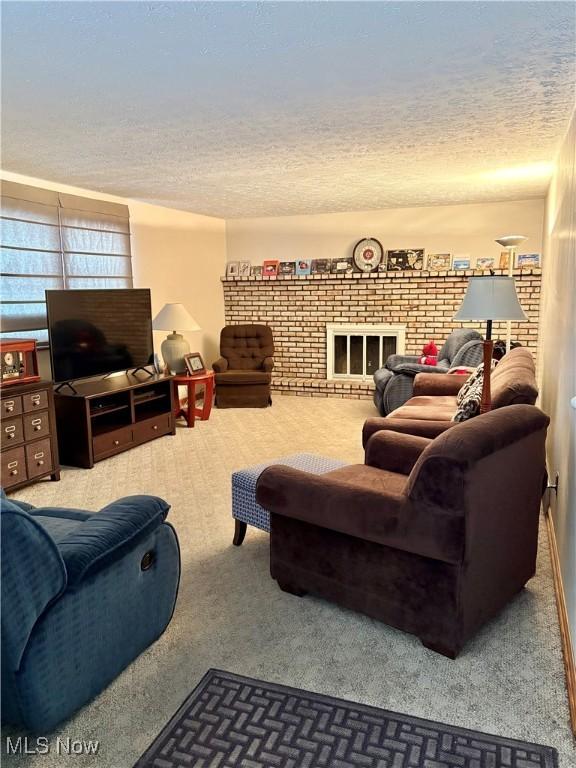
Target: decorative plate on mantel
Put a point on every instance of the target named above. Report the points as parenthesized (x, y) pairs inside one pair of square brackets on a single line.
[(368, 254)]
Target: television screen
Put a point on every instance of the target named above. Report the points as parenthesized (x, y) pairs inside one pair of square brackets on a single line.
[(93, 332)]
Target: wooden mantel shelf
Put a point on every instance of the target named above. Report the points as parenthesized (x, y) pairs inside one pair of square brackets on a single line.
[(395, 274)]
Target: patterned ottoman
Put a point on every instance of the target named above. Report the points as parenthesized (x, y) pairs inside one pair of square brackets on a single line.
[(245, 509)]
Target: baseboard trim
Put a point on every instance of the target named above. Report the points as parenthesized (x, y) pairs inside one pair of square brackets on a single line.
[(567, 648)]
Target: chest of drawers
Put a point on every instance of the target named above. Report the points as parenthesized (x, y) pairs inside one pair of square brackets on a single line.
[(29, 448)]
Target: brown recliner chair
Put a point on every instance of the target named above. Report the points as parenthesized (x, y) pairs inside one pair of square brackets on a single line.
[(431, 536), (243, 372)]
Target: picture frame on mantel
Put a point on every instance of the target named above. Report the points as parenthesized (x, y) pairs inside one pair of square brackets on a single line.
[(270, 268), (303, 267), (244, 269), (439, 262), (528, 261), (485, 262), (461, 263), (232, 269), (406, 259)]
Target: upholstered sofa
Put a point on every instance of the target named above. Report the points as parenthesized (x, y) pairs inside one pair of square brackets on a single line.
[(244, 370), (82, 596), (433, 537), (430, 411), (395, 381)]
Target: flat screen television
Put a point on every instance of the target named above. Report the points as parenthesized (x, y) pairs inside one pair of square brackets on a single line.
[(95, 331)]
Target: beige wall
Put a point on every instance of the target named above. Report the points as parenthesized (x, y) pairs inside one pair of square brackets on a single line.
[(455, 228), (558, 342), (180, 256)]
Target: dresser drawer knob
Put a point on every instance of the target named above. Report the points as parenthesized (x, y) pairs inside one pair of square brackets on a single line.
[(36, 401), (38, 427), (155, 426), (40, 463), (11, 435), (116, 442), (9, 408), (13, 472)]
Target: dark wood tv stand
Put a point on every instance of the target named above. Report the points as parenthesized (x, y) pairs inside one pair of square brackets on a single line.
[(103, 417)]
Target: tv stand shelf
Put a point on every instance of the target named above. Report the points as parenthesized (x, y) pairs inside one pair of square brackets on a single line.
[(103, 417)]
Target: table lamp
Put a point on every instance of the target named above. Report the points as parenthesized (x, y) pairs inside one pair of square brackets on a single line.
[(174, 346), (490, 298)]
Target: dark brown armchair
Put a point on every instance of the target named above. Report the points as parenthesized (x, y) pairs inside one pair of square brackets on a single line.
[(244, 370), (431, 536)]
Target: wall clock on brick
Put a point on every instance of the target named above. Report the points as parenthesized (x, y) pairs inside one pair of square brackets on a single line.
[(367, 254)]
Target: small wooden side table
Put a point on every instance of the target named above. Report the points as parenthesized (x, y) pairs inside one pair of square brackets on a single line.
[(190, 412)]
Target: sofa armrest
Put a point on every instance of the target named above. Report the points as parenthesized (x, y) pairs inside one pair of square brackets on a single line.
[(268, 364), (412, 369), (393, 360), (330, 502), (429, 384), (395, 451), (417, 427), (355, 506), (221, 365), (107, 535)]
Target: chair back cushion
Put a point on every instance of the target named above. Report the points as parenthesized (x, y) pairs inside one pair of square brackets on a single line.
[(246, 346), (514, 379), (33, 575), (455, 340), (442, 474)]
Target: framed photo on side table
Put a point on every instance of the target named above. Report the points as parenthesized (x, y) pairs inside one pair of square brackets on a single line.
[(194, 363)]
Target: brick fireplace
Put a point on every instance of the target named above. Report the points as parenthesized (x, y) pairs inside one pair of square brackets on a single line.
[(371, 308)]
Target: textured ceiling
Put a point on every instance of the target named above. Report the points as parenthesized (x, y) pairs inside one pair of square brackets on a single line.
[(258, 109)]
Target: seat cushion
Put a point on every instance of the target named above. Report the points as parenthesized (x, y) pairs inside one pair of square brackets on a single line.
[(236, 378), (427, 408)]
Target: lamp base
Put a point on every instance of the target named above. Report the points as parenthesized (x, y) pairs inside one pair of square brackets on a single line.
[(486, 401), (173, 349)]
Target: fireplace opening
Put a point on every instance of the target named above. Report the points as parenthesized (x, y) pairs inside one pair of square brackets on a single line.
[(357, 351)]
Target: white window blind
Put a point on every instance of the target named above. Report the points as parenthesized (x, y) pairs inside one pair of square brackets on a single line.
[(51, 240)]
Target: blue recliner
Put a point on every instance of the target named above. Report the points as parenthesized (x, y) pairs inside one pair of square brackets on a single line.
[(395, 381), (82, 596)]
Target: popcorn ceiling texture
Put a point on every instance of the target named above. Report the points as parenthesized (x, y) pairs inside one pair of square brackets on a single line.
[(260, 109), (298, 309)]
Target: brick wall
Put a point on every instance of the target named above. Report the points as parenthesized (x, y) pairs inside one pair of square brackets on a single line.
[(298, 309)]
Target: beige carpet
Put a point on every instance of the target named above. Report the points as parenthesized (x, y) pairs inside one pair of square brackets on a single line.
[(230, 614)]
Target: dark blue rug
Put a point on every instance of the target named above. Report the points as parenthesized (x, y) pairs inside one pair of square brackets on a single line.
[(230, 721)]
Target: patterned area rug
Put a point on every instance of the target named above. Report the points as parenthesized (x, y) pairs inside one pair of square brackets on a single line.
[(230, 721)]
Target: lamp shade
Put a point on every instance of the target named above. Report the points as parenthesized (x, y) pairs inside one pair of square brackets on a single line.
[(511, 241), (490, 298), (174, 317)]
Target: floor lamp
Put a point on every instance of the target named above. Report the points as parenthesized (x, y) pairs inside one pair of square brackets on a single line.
[(510, 242), (491, 299)]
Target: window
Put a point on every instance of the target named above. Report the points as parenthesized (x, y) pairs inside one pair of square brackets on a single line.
[(51, 240)]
